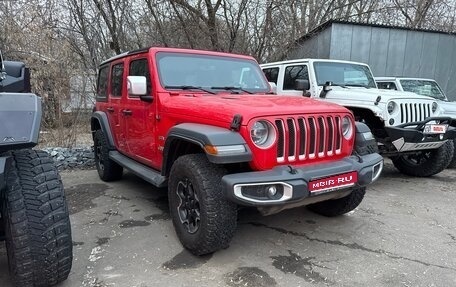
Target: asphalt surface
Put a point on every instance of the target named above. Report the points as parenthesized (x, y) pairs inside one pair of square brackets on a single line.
[(402, 234)]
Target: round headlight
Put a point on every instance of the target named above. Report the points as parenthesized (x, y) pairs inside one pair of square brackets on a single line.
[(434, 107), (347, 127), (262, 134), (391, 106)]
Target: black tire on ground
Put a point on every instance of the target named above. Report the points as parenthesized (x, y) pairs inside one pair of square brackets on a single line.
[(453, 161), (204, 220), (108, 170), (425, 163), (36, 219), (339, 206)]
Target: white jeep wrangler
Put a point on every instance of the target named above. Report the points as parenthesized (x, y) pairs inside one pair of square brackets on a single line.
[(424, 87), (409, 128)]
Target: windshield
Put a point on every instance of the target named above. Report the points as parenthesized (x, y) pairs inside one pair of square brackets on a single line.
[(344, 74), (215, 73), (424, 88)]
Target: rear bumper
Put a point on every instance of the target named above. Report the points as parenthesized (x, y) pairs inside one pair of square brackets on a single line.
[(292, 184), (410, 136)]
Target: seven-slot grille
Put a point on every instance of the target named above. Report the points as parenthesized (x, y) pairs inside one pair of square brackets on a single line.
[(414, 112), (301, 138)]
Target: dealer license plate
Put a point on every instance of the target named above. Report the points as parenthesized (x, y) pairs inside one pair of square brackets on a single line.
[(331, 183), (435, 129)]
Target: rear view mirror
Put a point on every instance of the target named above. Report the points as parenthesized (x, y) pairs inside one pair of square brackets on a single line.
[(302, 85), (273, 87)]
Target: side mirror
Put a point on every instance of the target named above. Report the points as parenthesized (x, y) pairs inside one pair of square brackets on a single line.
[(302, 85), (273, 87), (137, 86)]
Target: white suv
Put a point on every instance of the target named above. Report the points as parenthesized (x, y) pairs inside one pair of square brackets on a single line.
[(409, 128), (424, 87)]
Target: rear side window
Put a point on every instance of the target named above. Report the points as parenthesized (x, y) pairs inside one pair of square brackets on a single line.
[(272, 74), (117, 80), (140, 68), (102, 84), (292, 73)]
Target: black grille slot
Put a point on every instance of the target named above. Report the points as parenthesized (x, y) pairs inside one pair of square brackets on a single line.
[(291, 137), (321, 133), (302, 138), (330, 133), (280, 139), (338, 133), (312, 135)]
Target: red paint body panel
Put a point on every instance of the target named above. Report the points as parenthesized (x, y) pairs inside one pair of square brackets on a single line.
[(142, 134)]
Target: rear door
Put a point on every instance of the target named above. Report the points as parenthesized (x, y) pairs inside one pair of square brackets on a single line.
[(116, 89), (139, 116)]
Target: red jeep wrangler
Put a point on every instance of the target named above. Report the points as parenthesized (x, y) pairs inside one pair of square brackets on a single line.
[(206, 125)]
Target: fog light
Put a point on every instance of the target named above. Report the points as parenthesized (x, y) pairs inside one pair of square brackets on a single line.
[(272, 191), (391, 121)]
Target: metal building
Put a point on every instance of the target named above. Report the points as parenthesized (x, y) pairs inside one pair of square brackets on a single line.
[(389, 50)]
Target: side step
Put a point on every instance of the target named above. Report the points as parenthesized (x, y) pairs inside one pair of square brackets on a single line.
[(148, 174)]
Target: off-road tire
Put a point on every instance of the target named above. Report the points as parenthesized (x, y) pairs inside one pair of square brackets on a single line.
[(438, 160), (336, 207), (108, 170), (36, 219), (217, 214), (453, 161)]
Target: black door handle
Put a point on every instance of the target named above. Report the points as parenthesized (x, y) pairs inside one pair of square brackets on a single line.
[(127, 112), (110, 109)]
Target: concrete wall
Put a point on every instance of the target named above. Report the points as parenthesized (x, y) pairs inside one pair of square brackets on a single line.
[(388, 51)]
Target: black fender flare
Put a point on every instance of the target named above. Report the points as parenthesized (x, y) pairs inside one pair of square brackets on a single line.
[(365, 141), (102, 119), (203, 135)]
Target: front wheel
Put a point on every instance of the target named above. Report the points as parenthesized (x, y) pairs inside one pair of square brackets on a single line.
[(427, 162), (36, 221), (204, 220)]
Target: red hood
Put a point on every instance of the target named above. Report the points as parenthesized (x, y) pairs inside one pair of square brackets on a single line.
[(222, 107)]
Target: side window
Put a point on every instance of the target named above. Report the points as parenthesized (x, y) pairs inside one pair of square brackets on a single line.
[(292, 73), (140, 68), (117, 80), (387, 85), (102, 83), (272, 74)]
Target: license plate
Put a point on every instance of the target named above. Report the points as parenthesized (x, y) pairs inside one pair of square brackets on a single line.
[(435, 129), (331, 183)]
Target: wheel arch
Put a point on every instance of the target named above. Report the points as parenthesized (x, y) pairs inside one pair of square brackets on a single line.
[(99, 120), (193, 138)]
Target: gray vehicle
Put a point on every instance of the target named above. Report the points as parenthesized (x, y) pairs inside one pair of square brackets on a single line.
[(34, 218)]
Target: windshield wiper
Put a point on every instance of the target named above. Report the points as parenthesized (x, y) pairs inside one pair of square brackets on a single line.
[(232, 88), (186, 87)]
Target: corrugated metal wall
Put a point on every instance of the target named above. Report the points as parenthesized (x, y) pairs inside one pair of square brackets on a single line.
[(388, 51)]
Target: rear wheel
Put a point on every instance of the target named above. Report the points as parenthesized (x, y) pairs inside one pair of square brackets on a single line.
[(339, 206), (108, 170), (204, 220), (427, 162), (36, 221)]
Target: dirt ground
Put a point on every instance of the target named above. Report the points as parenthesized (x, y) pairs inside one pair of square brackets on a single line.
[(402, 234)]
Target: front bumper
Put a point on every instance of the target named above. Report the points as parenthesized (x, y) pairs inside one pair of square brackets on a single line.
[(292, 184), (410, 136)]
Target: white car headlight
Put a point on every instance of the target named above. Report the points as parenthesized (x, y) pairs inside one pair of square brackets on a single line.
[(263, 134), (391, 107), (347, 127), (434, 107)]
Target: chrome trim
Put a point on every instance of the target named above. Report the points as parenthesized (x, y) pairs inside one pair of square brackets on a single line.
[(376, 176), (287, 192)]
